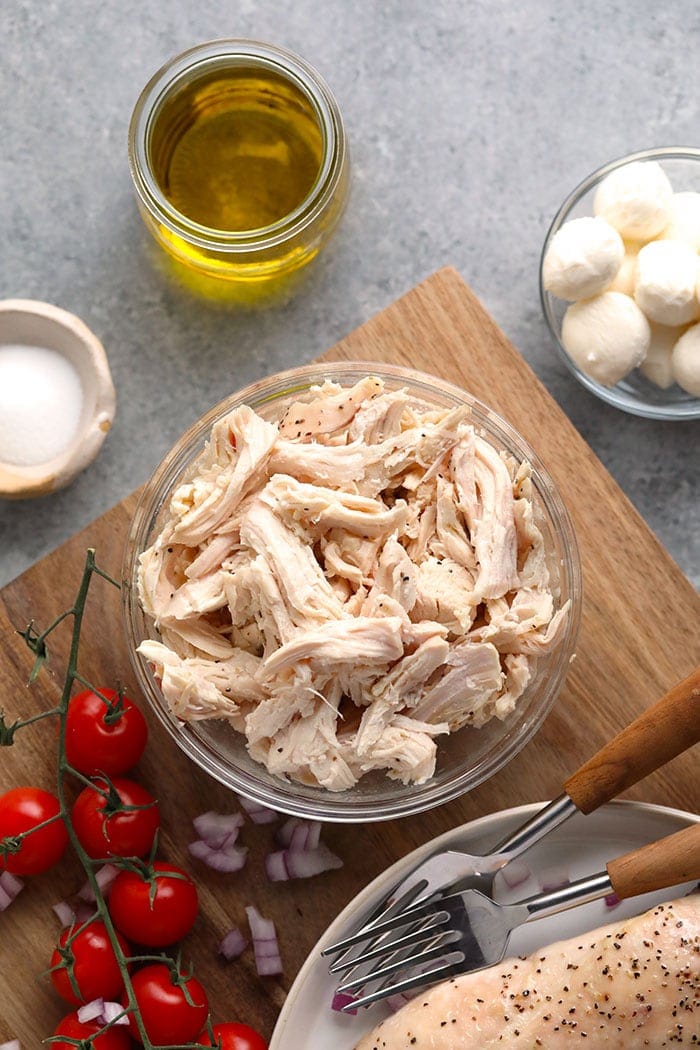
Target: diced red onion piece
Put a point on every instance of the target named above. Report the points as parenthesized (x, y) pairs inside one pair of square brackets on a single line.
[(10, 887), (91, 1011), (233, 944), (314, 834), (612, 900), (276, 866), (515, 873), (341, 999), (312, 862), (284, 834), (261, 929), (267, 949), (230, 859), (86, 893), (269, 967), (305, 836), (299, 834), (265, 945), (554, 879), (12, 1045), (299, 839), (83, 913), (66, 915), (300, 864), (104, 877), (218, 829), (114, 1013), (11, 884), (257, 813)]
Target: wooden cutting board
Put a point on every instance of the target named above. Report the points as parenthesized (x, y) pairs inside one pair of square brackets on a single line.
[(639, 635)]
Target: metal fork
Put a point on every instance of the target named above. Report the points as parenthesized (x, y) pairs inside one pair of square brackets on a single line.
[(467, 931), (664, 730)]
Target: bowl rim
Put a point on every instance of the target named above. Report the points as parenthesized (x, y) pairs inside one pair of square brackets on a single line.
[(682, 410), (228, 53), (21, 482), (337, 807)]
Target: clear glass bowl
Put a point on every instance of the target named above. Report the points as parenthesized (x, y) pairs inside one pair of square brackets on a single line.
[(635, 393), (465, 758)]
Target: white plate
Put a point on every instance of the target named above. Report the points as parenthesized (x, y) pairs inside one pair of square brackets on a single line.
[(582, 846)]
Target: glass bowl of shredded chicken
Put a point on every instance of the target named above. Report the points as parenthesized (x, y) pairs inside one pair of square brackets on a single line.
[(351, 592)]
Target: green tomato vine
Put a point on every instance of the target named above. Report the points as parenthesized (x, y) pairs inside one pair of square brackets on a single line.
[(36, 642)]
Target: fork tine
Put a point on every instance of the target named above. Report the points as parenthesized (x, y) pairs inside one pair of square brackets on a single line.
[(374, 925), (439, 944), (381, 946), (439, 973), (403, 917)]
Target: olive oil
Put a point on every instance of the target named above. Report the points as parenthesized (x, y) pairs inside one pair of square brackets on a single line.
[(238, 156), (238, 152)]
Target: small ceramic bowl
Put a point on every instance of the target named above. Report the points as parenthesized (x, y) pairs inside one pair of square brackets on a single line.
[(634, 393), (29, 323)]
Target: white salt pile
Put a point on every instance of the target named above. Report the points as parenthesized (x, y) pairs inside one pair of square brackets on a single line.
[(41, 403)]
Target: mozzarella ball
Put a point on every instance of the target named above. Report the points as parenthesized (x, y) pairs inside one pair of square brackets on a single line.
[(635, 199), (625, 277), (583, 257), (606, 337), (656, 366), (685, 361), (665, 286), (684, 222)]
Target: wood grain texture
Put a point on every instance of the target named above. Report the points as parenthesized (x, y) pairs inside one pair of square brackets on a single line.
[(671, 861), (639, 636), (661, 732)]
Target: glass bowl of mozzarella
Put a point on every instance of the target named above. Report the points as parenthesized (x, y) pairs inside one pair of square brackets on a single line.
[(620, 282), (351, 592)]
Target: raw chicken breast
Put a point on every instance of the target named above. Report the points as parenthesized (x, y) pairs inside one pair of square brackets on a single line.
[(626, 986)]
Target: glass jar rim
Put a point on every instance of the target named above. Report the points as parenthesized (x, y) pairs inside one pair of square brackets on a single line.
[(239, 53)]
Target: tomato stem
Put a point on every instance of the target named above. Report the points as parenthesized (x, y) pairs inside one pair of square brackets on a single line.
[(86, 780), (7, 733), (13, 843), (36, 641)]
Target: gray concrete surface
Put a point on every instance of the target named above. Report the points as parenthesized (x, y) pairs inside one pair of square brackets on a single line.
[(468, 123)]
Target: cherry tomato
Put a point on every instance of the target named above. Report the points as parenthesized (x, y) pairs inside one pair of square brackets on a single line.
[(95, 968), (98, 742), (22, 809), (232, 1036), (127, 834), (154, 919), (115, 1038), (166, 1014)]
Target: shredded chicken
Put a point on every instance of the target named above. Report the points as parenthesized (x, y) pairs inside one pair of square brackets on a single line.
[(349, 584)]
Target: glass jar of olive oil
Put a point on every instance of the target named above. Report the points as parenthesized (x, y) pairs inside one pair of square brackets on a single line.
[(239, 160)]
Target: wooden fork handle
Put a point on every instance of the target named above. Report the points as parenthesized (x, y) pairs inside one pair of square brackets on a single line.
[(668, 862), (665, 730)]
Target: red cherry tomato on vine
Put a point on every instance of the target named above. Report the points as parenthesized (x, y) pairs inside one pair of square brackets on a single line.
[(95, 967), (104, 738), (22, 809), (115, 1038), (154, 912), (167, 1015), (232, 1036), (117, 834)]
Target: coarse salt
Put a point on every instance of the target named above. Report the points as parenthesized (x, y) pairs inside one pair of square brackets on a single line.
[(41, 404)]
